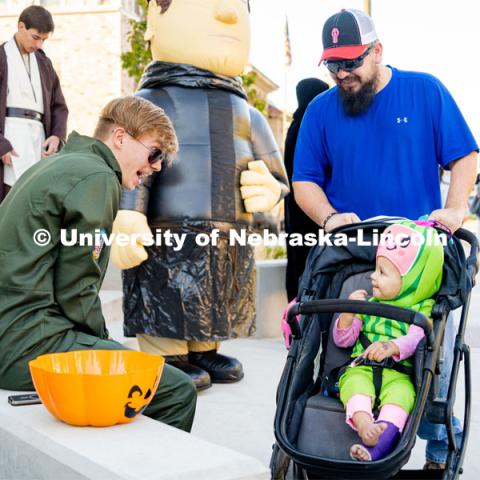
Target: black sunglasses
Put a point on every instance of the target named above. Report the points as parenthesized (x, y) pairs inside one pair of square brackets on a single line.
[(156, 155), (348, 65)]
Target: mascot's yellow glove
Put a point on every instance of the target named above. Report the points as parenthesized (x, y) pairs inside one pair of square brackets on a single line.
[(260, 191), (128, 223)]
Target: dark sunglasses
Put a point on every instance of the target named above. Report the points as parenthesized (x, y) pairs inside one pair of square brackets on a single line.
[(155, 155), (348, 65)]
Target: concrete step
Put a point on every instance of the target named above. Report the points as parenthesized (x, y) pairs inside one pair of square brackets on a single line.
[(36, 445), (271, 297)]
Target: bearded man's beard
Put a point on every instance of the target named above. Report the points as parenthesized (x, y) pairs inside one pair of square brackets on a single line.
[(358, 102)]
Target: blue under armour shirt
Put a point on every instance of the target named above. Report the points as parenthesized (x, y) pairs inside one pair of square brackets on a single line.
[(384, 161)]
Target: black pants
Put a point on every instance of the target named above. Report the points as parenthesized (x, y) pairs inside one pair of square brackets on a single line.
[(4, 189), (296, 222)]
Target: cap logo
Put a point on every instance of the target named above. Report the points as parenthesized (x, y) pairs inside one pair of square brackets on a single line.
[(335, 34)]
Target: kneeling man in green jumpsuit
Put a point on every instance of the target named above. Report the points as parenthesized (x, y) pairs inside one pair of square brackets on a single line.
[(49, 282)]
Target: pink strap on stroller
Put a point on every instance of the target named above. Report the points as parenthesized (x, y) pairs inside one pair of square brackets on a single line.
[(286, 331)]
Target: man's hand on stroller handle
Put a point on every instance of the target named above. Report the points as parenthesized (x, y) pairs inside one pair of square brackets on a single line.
[(450, 217), (340, 219)]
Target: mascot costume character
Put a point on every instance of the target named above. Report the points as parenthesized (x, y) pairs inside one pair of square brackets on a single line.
[(182, 299)]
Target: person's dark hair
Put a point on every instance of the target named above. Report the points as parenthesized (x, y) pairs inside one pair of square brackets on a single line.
[(307, 89), (35, 16)]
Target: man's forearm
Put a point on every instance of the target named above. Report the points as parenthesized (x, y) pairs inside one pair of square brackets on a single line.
[(313, 201), (462, 180)]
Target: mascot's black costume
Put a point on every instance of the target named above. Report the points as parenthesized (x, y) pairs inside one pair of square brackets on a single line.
[(180, 302)]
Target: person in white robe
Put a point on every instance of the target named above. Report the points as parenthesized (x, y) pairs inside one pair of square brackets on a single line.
[(32, 108)]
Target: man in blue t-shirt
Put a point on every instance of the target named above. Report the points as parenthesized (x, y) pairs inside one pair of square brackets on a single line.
[(373, 145)]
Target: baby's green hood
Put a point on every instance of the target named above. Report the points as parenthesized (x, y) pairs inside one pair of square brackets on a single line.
[(417, 252)]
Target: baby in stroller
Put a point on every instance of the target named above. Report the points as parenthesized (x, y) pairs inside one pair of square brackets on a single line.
[(408, 274)]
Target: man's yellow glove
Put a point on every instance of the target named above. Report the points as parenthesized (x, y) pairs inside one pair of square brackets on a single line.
[(260, 191), (129, 223)]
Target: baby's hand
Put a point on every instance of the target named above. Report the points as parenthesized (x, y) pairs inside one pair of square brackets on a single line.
[(378, 351), (358, 295)]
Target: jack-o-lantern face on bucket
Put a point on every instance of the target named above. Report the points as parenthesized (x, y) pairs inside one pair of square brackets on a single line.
[(137, 401)]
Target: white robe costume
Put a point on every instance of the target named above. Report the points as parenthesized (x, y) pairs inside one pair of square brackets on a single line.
[(24, 91)]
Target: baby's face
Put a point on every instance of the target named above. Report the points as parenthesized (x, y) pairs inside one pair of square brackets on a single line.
[(386, 280)]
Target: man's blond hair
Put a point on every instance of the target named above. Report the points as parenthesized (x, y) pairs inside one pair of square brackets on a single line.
[(138, 117)]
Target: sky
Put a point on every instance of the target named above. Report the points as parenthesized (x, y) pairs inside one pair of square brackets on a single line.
[(440, 37)]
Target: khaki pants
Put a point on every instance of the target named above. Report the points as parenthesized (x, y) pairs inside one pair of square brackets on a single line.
[(171, 346)]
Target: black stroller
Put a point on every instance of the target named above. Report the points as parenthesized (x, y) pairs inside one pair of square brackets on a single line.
[(313, 439)]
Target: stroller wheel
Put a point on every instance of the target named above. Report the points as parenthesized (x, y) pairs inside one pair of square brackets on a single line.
[(279, 463)]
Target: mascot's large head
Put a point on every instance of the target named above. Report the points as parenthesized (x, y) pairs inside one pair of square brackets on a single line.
[(209, 34)]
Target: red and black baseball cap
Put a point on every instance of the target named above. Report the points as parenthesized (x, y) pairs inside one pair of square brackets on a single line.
[(347, 35)]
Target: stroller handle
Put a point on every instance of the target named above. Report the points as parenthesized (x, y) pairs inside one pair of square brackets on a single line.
[(358, 306), (471, 239)]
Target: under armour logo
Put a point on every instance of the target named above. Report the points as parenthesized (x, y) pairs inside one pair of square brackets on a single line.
[(335, 34), (402, 119)]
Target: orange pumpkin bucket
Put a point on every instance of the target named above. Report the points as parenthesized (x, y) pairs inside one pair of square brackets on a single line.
[(99, 388)]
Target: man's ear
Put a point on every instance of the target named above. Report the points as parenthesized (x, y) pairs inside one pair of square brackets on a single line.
[(378, 51), (118, 136)]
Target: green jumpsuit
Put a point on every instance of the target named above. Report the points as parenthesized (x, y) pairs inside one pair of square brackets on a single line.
[(421, 280), (49, 292)]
